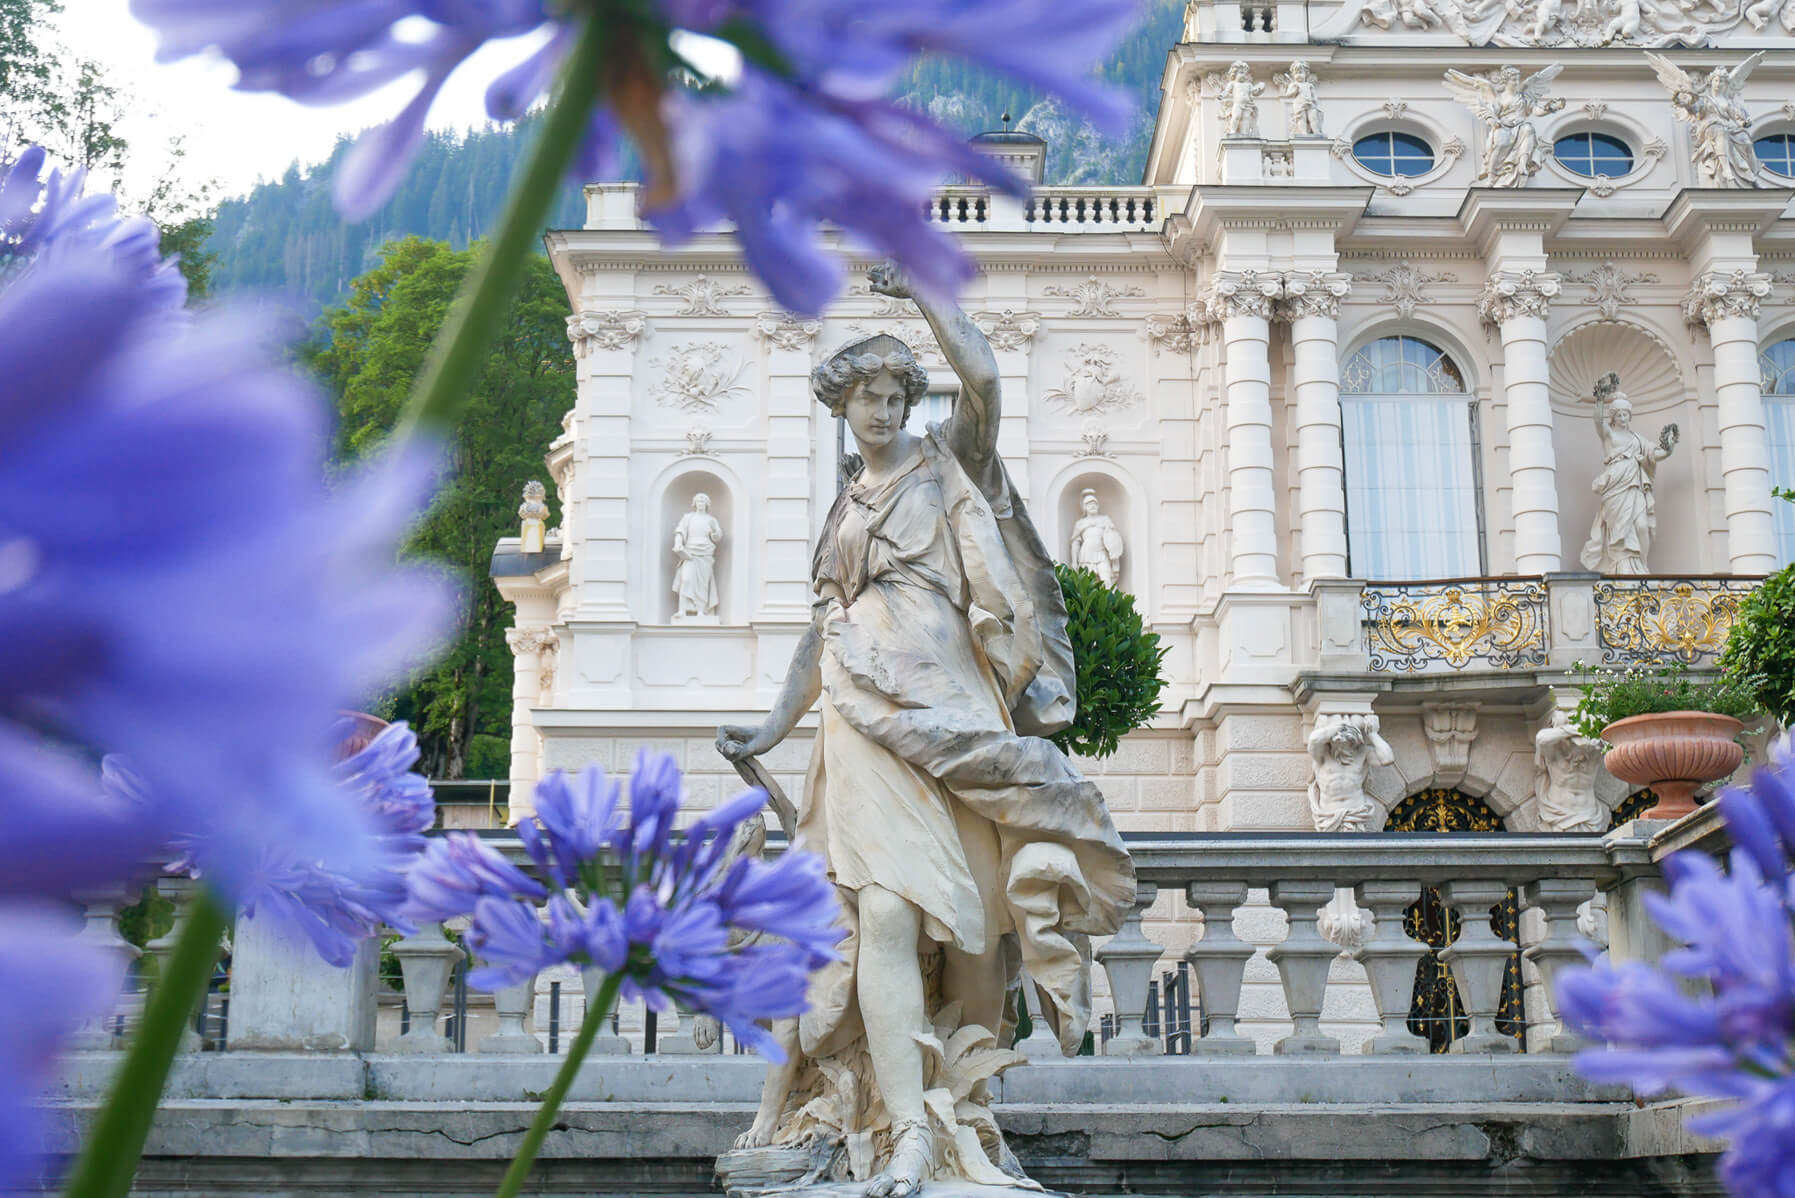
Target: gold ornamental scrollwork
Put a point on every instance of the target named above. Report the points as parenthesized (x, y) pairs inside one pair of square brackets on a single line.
[(1499, 623), (1656, 621)]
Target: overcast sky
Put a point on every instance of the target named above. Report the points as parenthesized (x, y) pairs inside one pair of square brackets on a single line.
[(235, 137)]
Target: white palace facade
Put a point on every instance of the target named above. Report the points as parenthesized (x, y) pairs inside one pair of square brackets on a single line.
[(1328, 369)]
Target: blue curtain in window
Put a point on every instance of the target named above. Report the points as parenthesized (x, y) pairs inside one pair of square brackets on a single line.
[(1778, 365), (1411, 492)]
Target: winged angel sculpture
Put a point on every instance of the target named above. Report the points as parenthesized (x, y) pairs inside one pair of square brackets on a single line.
[(1719, 125), (1507, 104)]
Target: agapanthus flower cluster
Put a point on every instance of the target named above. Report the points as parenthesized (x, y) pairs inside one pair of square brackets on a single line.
[(685, 917), (805, 134), (1734, 1037)]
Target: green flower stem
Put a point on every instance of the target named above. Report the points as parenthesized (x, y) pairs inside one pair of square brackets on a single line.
[(108, 1161), (551, 1102), (460, 347)]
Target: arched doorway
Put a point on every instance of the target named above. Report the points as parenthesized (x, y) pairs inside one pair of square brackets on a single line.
[(1437, 1011)]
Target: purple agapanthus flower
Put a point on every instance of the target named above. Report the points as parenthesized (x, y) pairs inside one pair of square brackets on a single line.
[(804, 135), (42, 215), (50, 983), (1730, 1038), (177, 581), (686, 919)]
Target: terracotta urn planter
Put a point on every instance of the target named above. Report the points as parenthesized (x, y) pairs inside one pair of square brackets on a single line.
[(1673, 752)]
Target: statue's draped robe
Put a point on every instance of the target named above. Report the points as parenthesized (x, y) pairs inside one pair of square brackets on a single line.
[(695, 578), (945, 660), (1621, 536)]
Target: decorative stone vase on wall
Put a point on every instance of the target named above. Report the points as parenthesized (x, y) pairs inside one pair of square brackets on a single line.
[(1673, 752)]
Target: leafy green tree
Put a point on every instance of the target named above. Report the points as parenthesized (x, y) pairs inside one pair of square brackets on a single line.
[(1760, 650), (1117, 661), (367, 350)]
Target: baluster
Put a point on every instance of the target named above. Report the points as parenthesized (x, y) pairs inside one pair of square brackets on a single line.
[(681, 1039), (513, 1005), (1303, 961), (607, 1043), (1128, 960), (1219, 960), (179, 892), (99, 931), (1478, 959), (1390, 958), (1557, 900), (1040, 1044), (426, 959)]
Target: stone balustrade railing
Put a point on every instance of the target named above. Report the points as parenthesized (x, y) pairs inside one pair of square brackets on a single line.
[(283, 999), (1067, 209), (1549, 622)]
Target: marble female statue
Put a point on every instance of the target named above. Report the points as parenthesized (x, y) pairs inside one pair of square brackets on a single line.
[(966, 847), (1719, 126), (695, 542), (1097, 542), (533, 516), (1621, 537), (1507, 104)]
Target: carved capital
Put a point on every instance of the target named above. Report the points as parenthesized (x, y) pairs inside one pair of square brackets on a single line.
[(531, 642), (786, 331), (1008, 329), (604, 330), (1179, 333), (1721, 293), (1238, 293), (1313, 293), (1513, 293)]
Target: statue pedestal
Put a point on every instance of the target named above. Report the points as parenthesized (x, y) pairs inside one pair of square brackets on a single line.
[(779, 1172)]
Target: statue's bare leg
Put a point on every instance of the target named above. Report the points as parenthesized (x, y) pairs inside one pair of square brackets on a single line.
[(889, 986), (774, 1089)]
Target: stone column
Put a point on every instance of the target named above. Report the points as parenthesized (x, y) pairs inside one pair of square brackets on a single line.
[(1727, 303), (1311, 304), (528, 648), (785, 533), (1240, 301), (1515, 301)]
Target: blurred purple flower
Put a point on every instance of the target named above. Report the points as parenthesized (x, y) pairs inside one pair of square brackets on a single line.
[(805, 135), (1731, 1037), (49, 984), (177, 582), (685, 920)]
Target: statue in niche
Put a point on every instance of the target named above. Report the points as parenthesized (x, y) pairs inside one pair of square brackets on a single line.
[(956, 834), (1566, 765), (1299, 93), (1507, 105), (1240, 102), (1343, 748), (533, 512), (1096, 541), (1621, 537), (695, 543), (1720, 128)]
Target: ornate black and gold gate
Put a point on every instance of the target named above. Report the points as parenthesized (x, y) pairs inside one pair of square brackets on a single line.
[(1437, 1012)]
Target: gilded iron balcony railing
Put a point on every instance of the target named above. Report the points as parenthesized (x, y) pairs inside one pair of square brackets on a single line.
[(1498, 623), (1654, 620)]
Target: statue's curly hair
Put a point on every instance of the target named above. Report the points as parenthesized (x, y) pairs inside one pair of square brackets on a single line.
[(861, 362)]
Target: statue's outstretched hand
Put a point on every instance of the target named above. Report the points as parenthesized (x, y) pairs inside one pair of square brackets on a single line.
[(738, 742), (887, 279)]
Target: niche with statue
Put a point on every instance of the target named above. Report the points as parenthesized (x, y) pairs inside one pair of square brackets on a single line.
[(1093, 519), (694, 549)]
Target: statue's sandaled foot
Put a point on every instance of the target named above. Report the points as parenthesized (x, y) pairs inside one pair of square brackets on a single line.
[(911, 1158)]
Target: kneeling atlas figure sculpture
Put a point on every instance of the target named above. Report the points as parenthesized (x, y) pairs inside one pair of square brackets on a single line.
[(967, 849)]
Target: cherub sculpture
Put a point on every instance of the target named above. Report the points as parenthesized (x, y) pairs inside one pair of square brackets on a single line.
[(1299, 91), (1620, 539), (533, 513), (1720, 127), (1507, 105), (1240, 102), (1343, 748)]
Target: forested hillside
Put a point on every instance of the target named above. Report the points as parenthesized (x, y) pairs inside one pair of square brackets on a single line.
[(283, 238)]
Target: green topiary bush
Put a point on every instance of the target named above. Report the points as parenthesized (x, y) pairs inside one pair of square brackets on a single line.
[(1118, 665), (1760, 651)]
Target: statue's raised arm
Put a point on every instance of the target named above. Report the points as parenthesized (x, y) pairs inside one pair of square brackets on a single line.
[(972, 430)]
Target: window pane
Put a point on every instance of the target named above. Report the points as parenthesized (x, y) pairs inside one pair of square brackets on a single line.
[(1777, 153), (932, 408), (1400, 366), (1411, 498), (1390, 153), (1779, 417), (1594, 155)]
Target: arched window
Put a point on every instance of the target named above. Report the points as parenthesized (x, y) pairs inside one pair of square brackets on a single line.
[(1393, 154), (1777, 153), (1593, 155), (1411, 464), (1778, 366)]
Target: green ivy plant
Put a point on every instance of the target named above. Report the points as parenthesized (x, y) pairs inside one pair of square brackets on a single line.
[(1610, 694), (1760, 650), (1118, 664)]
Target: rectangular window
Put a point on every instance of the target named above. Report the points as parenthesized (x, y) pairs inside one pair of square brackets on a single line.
[(1411, 487), (932, 408), (1779, 420)]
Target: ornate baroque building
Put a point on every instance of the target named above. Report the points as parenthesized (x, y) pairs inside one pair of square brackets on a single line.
[(1331, 374)]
